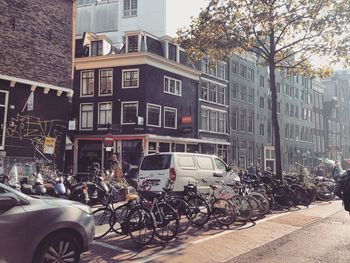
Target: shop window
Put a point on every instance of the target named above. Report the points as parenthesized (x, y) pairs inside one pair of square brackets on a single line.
[(88, 153), (164, 147), (132, 151)]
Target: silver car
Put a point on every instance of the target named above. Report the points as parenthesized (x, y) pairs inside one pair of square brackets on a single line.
[(42, 229)]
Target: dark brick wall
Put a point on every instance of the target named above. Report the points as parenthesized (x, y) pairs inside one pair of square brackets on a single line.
[(36, 40)]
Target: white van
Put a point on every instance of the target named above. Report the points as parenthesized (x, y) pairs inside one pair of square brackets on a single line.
[(182, 168)]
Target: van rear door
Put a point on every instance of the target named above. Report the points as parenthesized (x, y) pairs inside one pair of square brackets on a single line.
[(155, 169)]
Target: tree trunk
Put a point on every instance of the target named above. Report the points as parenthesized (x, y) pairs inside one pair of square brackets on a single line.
[(275, 124)]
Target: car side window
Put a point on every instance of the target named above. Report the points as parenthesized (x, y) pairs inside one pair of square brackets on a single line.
[(205, 163), (220, 164)]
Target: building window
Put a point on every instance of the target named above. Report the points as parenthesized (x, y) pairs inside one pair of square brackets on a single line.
[(287, 131), (213, 126), (86, 116), (243, 120), (96, 48), (205, 65), (243, 71), (212, 69), (170, 118), (205, 91), (3, 116), (235, 90), (262, 129), (278, 107), (262, 82), (278, 87), (205, 119), (104, 113), (222, 122), (244, 93), (172, 86), (250, 74), (212, 92), (130, 8), (221, 95), (172, 52), (106, 80), (262, 103), (234, 69), (250, 121), (87, 83), (153, 115), (129, 112), (133, 44), (234, 119), (269, 104), (251, 95), (130, 78), (221, 70)]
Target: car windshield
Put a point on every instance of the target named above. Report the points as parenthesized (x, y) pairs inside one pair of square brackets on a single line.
[(5, 188), (156, 162)]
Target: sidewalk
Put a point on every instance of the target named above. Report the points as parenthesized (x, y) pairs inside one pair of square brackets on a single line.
[(236, 242)]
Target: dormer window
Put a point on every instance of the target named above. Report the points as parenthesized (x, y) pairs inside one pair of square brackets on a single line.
[(172, 52), (130, 8), (133, 44), (96, 48)]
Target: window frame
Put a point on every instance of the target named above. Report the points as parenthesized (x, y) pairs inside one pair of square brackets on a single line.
[(138, 79), (159, 117), (168, 86), (98, 113), (166, 108), (5, 106), (99, 82), (130, 10), (122, 111), (80, 117), (99, 47), (81, 84)]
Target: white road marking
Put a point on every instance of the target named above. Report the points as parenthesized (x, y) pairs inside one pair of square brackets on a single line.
[(119, 249)]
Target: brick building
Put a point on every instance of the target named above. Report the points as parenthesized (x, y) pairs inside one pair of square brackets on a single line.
[(35, 79)]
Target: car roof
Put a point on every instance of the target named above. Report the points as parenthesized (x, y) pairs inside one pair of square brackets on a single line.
[(182, 153)]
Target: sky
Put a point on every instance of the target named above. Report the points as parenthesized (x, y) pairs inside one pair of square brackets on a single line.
[(179, 13)]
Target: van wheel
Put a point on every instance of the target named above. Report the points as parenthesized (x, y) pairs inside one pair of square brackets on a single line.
[(61, 247)]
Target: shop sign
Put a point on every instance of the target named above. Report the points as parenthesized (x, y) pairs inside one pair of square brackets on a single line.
[(186, 120), (49, 145)]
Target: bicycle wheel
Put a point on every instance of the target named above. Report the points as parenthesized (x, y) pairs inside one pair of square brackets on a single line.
[(324, 192), (256, 210), (301, 196), (118, 221), (224, 212), (102, 217), (200, 210), (284, 197), (167, 221), (263, 202), (183, 212), (243, 207), (140, 225)]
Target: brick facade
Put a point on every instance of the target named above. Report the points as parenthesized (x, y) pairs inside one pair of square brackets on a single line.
[(36, 40)]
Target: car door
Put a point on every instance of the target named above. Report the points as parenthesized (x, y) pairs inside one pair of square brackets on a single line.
[(186, 171), (13, 229), (205, 171)]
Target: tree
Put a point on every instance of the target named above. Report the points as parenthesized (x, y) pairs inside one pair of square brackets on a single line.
[(285, 34)]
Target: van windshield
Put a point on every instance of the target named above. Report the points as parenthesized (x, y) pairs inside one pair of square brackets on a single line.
[(156, 162)]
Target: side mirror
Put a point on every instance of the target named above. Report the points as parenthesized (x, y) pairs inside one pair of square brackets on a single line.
[(228, 169), (8, 200), (216, 174)]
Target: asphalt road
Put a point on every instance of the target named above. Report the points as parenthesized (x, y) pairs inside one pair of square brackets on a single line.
[(320, 233)]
